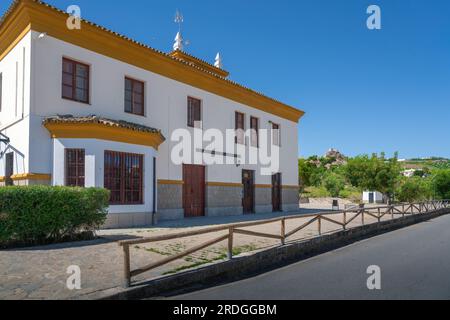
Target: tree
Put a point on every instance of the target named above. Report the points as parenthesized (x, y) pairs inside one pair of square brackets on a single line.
[(440, 184), (374, 173), (334, 183), (305, 171), (413, 189)]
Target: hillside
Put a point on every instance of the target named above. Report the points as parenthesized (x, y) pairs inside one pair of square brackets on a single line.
[(431, 163)]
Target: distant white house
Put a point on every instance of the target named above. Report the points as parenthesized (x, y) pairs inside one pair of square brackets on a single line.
[(409, 173), (373, 197)]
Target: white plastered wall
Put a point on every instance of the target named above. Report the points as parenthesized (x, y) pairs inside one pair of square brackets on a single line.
[(15, 68), (166, 109), (94, 166)]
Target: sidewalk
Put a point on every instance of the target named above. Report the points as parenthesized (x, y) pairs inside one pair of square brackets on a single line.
[(40, 272)]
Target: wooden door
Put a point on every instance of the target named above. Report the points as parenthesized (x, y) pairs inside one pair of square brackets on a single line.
[(248, 200), (194, 191), (276, 192), (9, 168)]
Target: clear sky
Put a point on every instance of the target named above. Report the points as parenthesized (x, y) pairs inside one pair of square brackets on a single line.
[(363, 91)]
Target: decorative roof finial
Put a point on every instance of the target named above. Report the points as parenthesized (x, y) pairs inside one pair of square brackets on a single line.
[(178, 45), (218, 63)]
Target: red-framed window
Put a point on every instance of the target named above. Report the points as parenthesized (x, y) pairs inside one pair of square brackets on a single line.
[(124, 177), (276, 134), (134, 96), (254, 127), (75, 174), (240, 128), (75, 81), (194, 111)]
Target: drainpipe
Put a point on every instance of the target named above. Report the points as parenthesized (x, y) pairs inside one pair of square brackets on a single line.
[(154, 193)]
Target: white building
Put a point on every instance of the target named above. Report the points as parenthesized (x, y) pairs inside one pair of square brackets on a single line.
[(53, 80), (409, 173), (373, 197)]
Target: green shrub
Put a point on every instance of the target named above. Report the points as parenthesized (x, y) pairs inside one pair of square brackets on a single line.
[(42, 214), (334, 184)]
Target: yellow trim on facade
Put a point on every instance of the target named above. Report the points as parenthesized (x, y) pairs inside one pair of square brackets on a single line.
[(6, 47), (170, 182), (202, 64), (224, 184), (103, 132), (291, 187), (44, 18), (31, 176)]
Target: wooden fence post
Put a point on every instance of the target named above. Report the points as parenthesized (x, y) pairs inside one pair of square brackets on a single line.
[(320, 225), (126, 266), (362, 216), (379, 215), (345, 220), (230, 243), (283, 231)]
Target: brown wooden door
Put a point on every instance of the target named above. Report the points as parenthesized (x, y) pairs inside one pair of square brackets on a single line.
[(248, 200), (194, 191), (9, 168), (276, 192)]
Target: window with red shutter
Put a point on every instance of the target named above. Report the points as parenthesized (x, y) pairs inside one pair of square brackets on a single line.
[(194, 111), (254, 127), (276, 134), (75, 168), (134, 97), (240, 128), (75, 81), (124, 177)]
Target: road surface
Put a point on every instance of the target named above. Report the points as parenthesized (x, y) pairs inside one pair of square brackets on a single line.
[(414, 262)]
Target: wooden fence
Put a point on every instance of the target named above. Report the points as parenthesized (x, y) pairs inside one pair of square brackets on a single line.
[(394, 212)]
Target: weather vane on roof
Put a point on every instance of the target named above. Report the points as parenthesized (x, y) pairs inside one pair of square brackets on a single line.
[(179, 19), (179, 41)]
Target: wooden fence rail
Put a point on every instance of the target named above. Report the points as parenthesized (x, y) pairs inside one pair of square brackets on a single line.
[(376, 212)]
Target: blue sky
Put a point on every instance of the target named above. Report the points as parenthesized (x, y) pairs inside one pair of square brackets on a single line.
[(363, 91)]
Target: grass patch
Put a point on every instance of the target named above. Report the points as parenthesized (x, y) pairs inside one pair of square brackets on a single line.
[(202, 260), (351, 193), (315, 192)]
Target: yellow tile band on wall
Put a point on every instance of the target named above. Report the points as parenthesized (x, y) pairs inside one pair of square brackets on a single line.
[(43, 18), (170, 182), (291, 187), (103, 132), (224, 184), (2, 179), (31, 176)]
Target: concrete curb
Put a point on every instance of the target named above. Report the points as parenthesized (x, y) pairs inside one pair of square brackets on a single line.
[(241, 267)]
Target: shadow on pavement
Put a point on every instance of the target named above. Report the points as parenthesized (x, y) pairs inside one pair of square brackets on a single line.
[(212, 221)]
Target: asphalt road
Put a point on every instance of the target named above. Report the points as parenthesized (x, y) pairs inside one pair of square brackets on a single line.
[(414, 262)]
